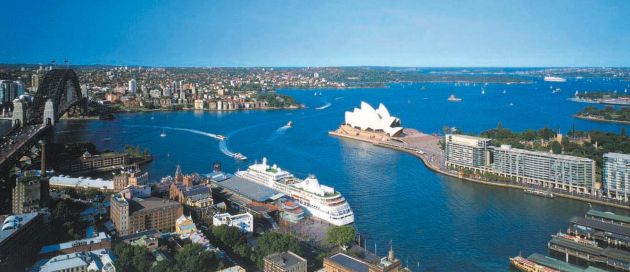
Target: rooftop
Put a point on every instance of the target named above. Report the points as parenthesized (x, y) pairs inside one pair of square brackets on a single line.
[(566, 243), (151, 203), (285, 259), (555, 263), (541, 153), (350, 263), (247, 188), (599, 225), (67, 181), (609, 215), (12, 223), (56, 247)]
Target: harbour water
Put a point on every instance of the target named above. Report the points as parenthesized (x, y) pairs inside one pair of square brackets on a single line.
[(443, 223)]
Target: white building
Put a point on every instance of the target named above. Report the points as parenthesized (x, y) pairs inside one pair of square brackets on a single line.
[(81, 183), (244, 221), (616, 175), (368, 118), (133, 86), (97, 260)]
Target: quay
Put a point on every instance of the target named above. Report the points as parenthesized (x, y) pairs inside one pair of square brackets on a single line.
[(426, 147)]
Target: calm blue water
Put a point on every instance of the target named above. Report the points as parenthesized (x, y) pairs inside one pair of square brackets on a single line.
[(446, 224)]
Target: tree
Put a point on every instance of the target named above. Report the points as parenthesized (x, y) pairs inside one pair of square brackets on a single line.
[(131, 258), (162, 266), (341, 236), (273, 242), (556, 148), (193, 258)]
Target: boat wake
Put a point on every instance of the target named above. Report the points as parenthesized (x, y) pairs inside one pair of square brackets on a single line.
[(337, 98), (199, 132), (325, 106), (279, 132)]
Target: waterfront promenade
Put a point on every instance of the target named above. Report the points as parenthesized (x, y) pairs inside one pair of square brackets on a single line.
[(427, 148)]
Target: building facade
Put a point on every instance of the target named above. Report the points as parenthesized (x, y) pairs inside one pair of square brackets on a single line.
[(26, 195), (616, 175), (466, 151), (244, 221), (21, 236), (89, 162), (570, 173), (133, 215)]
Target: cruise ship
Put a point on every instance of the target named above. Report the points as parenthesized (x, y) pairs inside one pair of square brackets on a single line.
[(554, 79), (318, 200)]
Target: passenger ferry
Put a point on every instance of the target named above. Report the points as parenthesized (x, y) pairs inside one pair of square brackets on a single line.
[(554, 79), (526, 265), (318, 200)]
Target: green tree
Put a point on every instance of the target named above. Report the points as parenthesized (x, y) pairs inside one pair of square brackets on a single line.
[(341, 236), (132, 258), (193, 258), (162, 266), (556, 148), (272, 242)]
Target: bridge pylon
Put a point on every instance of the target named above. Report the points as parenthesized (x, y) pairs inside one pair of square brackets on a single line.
[(50, 113), (19, 113)]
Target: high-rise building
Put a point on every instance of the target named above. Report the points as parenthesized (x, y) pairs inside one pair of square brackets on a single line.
[(26, 194), (133, 86), (616, 175), (34, 82), (570, 173), (9, 90), (466, 151), (284, 262)]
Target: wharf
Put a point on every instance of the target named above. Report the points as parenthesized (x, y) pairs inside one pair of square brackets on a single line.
[(426, 148)]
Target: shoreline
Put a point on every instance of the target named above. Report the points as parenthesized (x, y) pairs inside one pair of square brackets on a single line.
[(425, 160), (599, 119)]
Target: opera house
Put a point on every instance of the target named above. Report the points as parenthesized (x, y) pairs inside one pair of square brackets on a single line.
[(368, 119)]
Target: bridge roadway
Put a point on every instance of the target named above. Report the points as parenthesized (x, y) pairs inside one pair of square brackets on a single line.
[(17, 138)]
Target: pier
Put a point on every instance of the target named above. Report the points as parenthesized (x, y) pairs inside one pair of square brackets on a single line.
[(426, 147)]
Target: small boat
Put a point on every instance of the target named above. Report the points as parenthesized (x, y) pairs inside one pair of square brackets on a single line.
[(221, 137), (483, 91), (289, 124), (162, 134), (107, 139), (504, 92), (239, 156), (511, 104), (452, 98)]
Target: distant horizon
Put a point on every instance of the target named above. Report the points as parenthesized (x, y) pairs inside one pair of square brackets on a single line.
[(293, 67)]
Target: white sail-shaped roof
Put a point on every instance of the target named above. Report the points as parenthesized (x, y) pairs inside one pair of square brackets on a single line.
[(378, 119)]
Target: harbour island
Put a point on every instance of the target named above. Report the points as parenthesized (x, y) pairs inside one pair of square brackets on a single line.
[(474, 159)]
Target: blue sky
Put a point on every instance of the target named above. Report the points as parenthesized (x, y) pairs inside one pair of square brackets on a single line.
[(317, 33)]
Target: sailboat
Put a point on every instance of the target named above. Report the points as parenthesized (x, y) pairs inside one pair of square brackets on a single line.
[(504, 92), (162, 134), (483, 91)]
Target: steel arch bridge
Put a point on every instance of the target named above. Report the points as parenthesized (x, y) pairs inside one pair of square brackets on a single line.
[(61, 87)]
